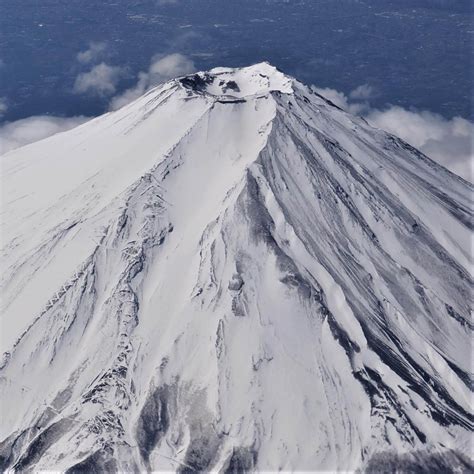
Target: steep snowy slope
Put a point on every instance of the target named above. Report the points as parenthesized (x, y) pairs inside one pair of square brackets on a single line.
[(231, 273)]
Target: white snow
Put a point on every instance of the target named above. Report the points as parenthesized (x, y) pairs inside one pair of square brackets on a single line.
[(231, 271)]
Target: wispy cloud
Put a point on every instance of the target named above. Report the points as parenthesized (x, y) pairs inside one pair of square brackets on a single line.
[(3, 106), (341, 100), (363, 92), (161, 69), (22, 132), (93, 53), (101, 80), (447, 141)]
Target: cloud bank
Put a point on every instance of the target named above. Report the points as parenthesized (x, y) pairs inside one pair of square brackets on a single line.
[(95, 52), (160, 70), (101, 80), (446, 141), (357, 107), (3, 106), (22, 132), (449, 142)]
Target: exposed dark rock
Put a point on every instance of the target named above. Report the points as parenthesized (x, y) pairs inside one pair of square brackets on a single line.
[(41, 443), (196, 82), (153, 421), (236, 283), (232, 85), (242, 460), (97, 463), (10, 448), (200, 454), (419, 462)]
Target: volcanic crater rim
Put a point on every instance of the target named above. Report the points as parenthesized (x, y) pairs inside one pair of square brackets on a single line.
[(238, 83)]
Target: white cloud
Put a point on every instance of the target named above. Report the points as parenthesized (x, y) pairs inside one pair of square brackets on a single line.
[(160, 70), (22, 132), (95, 51), (363, 92), (167, 67), (131, 94), (3, 106), (341, 100), (448, 142), (100, 80)]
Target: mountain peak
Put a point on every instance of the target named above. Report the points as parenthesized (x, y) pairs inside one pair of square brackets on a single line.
[(258, 79), (209, 279)]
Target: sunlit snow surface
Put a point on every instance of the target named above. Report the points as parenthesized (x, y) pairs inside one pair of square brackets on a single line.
[(231, 273)]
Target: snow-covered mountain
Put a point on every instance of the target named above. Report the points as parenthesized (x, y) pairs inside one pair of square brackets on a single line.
[(233, 274)]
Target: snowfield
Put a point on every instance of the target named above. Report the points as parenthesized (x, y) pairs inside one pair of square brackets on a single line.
[(233, 274)]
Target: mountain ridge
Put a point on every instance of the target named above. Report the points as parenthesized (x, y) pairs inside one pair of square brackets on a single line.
[(234, 274)]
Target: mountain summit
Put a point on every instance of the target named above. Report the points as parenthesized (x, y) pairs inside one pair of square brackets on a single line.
[(233, 274)]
